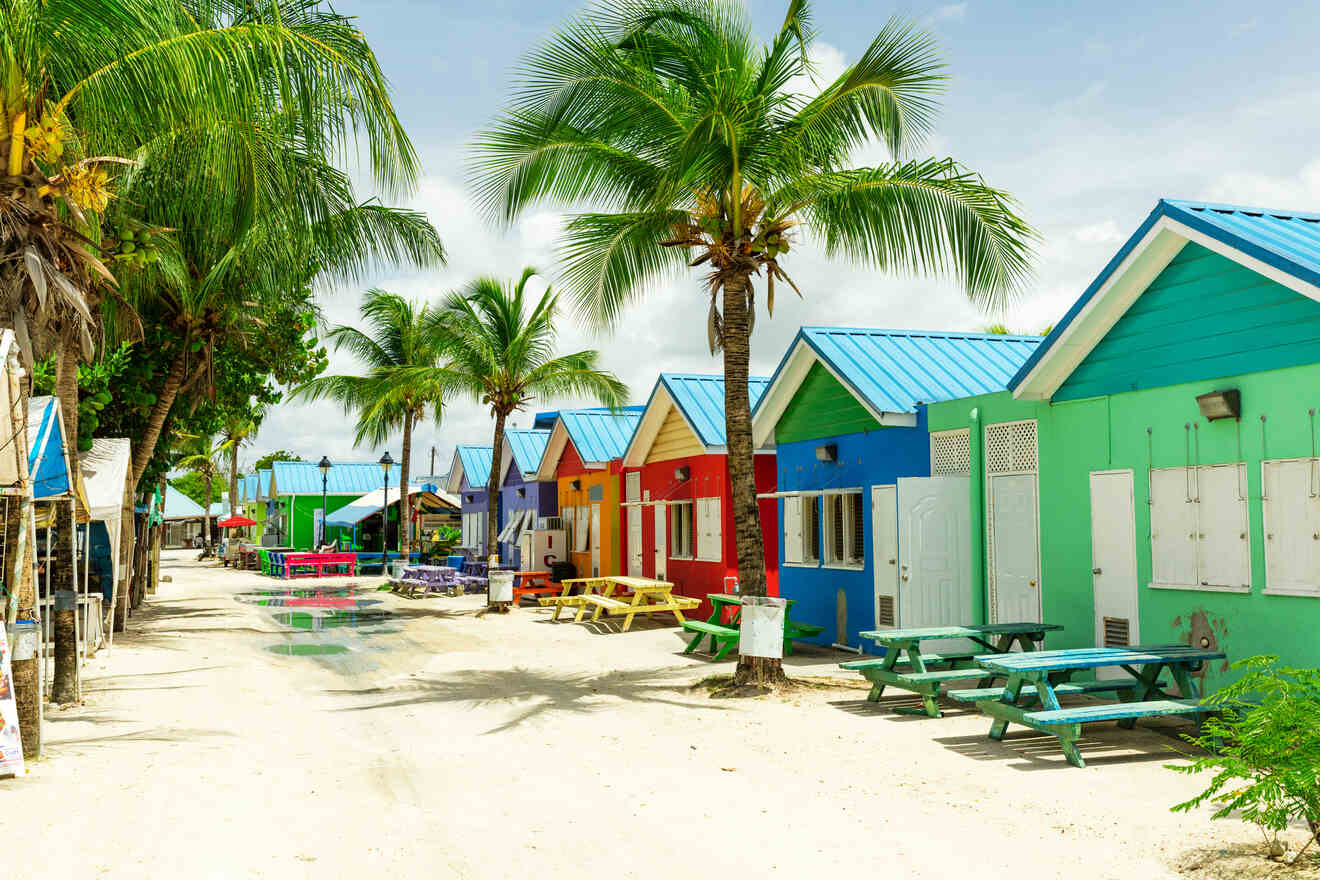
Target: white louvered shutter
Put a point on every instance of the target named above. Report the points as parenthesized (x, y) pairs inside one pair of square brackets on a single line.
[(792, 529)]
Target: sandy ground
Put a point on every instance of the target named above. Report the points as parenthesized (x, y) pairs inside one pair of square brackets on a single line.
[(437, 744)]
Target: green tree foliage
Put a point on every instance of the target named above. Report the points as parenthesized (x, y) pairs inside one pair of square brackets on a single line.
[(98, 383), (192, 485), (264, 462), (1263, 749)]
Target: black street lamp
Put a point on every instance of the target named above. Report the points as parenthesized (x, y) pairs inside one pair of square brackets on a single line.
[(325, 476), (385, 464)]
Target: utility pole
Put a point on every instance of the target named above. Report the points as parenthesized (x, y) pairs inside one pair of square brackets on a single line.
[(432, 470)]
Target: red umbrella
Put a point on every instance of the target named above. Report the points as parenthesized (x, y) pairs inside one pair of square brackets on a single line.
[(236, 522)]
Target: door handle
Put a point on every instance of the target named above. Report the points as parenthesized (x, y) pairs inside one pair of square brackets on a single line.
[(1031, 583), (905, 577), (1095, 571), (893, 561)]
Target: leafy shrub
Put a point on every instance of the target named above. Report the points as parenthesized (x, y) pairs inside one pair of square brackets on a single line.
[(1263, 749)]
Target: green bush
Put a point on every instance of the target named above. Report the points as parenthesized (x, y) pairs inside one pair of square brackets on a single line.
[(1263, 749)]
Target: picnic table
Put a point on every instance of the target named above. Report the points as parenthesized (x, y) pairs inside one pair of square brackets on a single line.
[(1038, 679), (926, 673), (532, 583), (372, 560), (645, 596), (300, 565), (725, 634)]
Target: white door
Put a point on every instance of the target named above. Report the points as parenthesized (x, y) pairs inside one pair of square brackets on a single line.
[(595, 540), (884, 529), (1114, 562), (634, 515), (934, 536), (661, 540), (1014, 551)]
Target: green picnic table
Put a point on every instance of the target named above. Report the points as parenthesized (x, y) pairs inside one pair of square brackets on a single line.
[(724, 636), (1034, 682), (926, 673)]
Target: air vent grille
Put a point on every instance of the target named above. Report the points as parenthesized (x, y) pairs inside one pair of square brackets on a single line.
[(886, 608), (1117, 631)]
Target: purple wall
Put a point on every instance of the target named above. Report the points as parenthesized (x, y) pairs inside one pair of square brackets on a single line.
[(541, 496), (477, 504)]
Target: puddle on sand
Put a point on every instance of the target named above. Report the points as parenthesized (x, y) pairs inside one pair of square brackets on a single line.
[(333, 619), (318, 602), (308, 650), (288, 593)]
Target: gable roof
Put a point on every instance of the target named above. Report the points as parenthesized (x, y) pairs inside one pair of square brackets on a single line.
[(345, 477), (472, 463), (263, 483), (891, 372), (699, 399), (251, 482), (598, 435), (525, 448), (180, 506), (1283, 246)]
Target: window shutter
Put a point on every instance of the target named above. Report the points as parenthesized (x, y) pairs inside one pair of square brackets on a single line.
[(716, 530), (792, 529), (857, 543), (1173, 527), (837, 548), (582, 530)]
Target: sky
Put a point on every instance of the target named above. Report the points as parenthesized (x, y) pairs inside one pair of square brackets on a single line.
[(1087, 113)]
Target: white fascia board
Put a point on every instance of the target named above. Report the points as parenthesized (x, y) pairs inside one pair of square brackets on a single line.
[(455, 482), (505, 461), (657, 409), (1143, 265), (781, 392), (554, 448)]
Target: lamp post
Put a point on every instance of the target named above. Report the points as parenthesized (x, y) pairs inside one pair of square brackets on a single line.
[(325, 476), (385, 464)]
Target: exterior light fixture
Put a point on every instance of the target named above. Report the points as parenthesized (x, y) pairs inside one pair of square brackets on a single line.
[(575, 485), (522, 493), (325, 466), (1225, 404), (828, 452), (683, 473)]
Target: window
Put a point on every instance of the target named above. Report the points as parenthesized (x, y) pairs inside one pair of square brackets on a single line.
[(680, 530), (1291, 507), (802, 530), (1198, 528), (709, 532), (843, 529)]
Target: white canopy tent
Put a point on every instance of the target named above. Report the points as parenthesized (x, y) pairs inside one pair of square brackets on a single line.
[(105, 470)]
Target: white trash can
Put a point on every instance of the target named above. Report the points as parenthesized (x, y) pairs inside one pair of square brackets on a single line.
[(762, 627), (501, 586)]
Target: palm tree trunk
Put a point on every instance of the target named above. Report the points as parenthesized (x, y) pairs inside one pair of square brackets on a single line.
[(405, 539), (64, 687), (493, 503), (742, 469), (146, 447), (233, 474), (67, 353), (19, 535), (206, 512)]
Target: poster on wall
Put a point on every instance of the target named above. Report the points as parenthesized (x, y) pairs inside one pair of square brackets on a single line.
[(11, 744), (318, 527)]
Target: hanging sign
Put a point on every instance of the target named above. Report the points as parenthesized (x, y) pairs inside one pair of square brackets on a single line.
[(318, 526)]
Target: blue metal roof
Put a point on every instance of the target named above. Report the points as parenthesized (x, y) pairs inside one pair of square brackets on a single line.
[(263, 482), (545, 420), (1286, 240), (251, 482), (345, 477), (476, 464), (47, 464), (599, 435), (894, 370), (528, 446), (180, 506), (701, 399)]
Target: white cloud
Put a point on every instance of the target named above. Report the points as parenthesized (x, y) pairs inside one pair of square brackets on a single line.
[(827, 64), (950, 12)]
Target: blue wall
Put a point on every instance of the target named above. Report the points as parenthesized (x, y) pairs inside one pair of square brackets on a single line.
[(868, 458), (543, 497)]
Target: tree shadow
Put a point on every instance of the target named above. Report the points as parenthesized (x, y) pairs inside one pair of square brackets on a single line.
[(1029, 750), (173, 734), (551, 692)]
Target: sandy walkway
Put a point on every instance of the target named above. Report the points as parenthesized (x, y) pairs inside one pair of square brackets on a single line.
[(440, 745)]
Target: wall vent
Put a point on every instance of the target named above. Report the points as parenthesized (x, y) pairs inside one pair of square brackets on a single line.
[(1117, 632), (886, 611), (1010, 448), (951, 452), (550, 523)]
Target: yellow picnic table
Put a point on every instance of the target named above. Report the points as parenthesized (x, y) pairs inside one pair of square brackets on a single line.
[(598, 593)]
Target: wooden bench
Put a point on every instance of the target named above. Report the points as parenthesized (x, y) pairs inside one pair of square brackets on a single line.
[(879, 662), (645, 600), (794, 630), (1101, 686), (1115, 712), (723, 639)]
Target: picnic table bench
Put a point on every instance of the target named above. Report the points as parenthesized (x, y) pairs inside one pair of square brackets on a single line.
[(917, 674), (1038, 679), (567, 598), (725, 636), (532, 583), (644, 596), (300, 565)]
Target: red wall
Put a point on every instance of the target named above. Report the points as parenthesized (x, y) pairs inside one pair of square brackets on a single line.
[(570, 463), (709, 477)]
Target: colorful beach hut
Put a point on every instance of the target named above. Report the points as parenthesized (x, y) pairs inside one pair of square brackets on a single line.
[(865, 496), (524, 499), (584, 456), (677, 490), (1152, 473), (468, 476), (296, 490)]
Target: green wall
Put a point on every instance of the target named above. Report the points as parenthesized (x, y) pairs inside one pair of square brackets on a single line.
[(1104, 433), (304, 511), (822, 407)]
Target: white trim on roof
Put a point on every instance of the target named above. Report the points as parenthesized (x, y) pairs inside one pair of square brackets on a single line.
[(455, 482), (1121, 290), (653, 419)]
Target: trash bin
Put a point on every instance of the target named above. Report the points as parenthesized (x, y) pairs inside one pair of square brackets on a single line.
[(501, 586), (23, 640), (762, 627)]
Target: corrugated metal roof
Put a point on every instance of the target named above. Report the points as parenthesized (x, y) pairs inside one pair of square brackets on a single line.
[(251, 483), (370, 503), (528, 446), (599, 435), (1286, 240), (701, 398), (476, 463), (345, 477), (263, 483), (894, 370), (180, 506)]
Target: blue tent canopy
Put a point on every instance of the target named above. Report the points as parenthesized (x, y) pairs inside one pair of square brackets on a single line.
[(47, 463)]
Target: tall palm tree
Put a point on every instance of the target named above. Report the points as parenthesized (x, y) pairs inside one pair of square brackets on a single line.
[(390, 396), (239, 430), (204, 454), (500, 353), (697, 144)]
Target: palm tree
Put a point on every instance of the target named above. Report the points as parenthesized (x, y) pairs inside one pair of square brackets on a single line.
[(398, 340), (501, 354), (699, 148), (239, 430), (203, 454)]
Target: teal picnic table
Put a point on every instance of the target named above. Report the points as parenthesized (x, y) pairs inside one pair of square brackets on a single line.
[(724, 634), (925, 673), (1039, 679)]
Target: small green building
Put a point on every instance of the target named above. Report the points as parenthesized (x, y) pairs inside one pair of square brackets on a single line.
[(1151, 475), (296, 489)]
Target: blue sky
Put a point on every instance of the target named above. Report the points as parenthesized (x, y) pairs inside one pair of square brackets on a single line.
[(1087, 113)]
